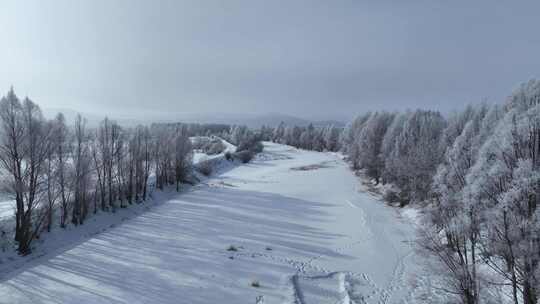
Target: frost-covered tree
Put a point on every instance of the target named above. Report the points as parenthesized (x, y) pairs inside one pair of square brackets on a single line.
[(349, 139), (50, 180), (279, 133), (239, 134), (331, 138), (416, 154), (56, 180), (369, 142), (182, 156), (292, 136), (452, 232), (62, 145), (24, 148), (106, 153), (351, 131), (266, 133), (305, 140), (505, 183), (456, 123), (172, 153), (389, 144), (163, 155), (317, 140), (309, 138), (81, 172), (141, 150)]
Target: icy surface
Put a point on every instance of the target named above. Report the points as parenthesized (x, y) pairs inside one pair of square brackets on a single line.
[(305, 236)]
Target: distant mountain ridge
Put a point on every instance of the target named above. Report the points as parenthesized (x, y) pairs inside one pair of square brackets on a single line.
[(250, 120), (274, 119)]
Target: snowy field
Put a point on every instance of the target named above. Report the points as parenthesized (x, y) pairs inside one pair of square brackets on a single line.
[(295, 223)]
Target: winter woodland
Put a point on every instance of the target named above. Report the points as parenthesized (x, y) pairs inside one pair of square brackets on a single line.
[(474, 175)]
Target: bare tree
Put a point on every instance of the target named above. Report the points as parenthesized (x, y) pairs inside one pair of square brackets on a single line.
[(182, 156), (62, 148), (81, 164), (23, 150), (146, 157)]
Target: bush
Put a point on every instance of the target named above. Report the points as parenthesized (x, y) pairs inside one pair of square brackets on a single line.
[(255, 284), (251, 144), (257, 147), (205, 167), (390, 193), (244, 156), (215, 147), (393, 194)]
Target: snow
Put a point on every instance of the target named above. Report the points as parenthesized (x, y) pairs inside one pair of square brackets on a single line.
[(7, 203), (413, 214), (307, 236), (201, 156), (7, 207)]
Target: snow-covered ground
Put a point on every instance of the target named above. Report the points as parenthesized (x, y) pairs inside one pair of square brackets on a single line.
[(294, 221), (7, 206)]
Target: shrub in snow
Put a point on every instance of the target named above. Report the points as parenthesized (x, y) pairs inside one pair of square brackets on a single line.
[(391, 193), (215, 147), (257, 147), (244, 156), (205, 167)]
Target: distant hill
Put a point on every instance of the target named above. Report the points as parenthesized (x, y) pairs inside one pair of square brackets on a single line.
[(274, 119), (250, 120)]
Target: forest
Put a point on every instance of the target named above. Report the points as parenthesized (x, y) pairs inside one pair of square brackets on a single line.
[(60, 173)]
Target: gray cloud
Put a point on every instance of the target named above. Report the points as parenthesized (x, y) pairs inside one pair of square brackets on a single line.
[(307, 58)]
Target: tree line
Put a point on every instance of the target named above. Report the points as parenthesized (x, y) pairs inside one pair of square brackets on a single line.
[(477, 174), (309, 138), (59, 174)]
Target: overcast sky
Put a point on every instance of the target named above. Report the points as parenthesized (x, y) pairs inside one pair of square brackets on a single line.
[(306, 58)]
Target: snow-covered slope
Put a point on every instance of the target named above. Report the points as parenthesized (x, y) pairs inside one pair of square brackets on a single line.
[(200, 156), (293, 221)]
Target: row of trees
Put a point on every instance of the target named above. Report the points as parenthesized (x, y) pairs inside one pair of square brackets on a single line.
[(67, 172), (478, 174), (402, 149), (309, 138)]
